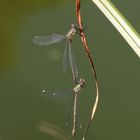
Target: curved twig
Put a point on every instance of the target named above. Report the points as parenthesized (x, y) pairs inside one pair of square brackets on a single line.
[(84, 41)]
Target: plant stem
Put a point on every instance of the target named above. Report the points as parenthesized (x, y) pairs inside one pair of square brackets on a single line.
[(120, 23), (85, 44)]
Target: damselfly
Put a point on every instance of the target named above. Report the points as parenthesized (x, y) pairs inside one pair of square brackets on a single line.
[(68, 55), (75, 91)]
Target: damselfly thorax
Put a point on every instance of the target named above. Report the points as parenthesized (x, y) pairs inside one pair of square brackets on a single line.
[(74, 29), (80, 84)]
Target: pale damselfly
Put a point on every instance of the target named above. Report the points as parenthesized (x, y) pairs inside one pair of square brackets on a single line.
[(68, 55), (75, 91)]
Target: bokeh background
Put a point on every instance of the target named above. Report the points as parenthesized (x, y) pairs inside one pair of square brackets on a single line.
[(26, 69)]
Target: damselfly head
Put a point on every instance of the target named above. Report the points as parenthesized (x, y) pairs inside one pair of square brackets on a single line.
[(75, 28), (82, 82)]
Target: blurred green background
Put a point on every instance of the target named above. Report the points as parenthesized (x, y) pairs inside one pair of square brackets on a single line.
[(26, 69)]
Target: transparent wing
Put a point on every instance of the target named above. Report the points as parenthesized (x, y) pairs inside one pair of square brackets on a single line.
[(65, 58), (57, 94), (47, 40), (72, 63)]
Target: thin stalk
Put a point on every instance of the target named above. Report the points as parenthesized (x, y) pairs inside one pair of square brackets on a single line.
[(120, 23), (85, 44)]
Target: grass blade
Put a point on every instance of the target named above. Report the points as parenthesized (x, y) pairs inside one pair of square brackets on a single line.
[(120, 23)]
